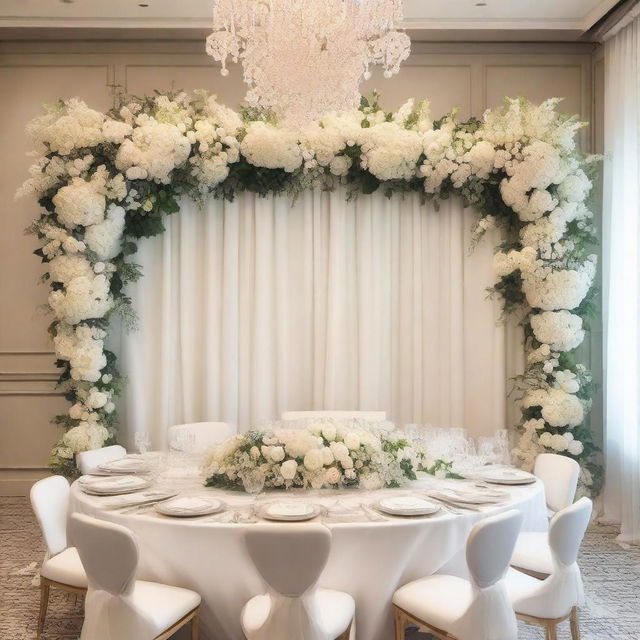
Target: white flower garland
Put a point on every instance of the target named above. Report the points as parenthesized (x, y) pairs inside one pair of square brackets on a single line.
[(106, 180)]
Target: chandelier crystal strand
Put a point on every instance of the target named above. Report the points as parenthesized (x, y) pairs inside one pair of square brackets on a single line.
[(305, 58)]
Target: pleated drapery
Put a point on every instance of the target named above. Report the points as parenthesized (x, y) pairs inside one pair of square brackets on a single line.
[(621, 277), (253, 307)]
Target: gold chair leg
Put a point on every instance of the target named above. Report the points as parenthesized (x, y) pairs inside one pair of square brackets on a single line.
[(551, 631), (346, 634), (575, 624), (44, 602), (195, 624), (400, 623)]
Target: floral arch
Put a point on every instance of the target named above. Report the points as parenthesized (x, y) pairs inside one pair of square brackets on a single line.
[(106, 180)]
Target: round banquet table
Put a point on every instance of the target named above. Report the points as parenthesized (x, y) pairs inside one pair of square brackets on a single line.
[(370, 557)]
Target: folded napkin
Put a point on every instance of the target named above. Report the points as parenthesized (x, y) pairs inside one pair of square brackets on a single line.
[(288, 508), (123, 463), (406, 503), (188, 503), (112, 482), (472, 497)]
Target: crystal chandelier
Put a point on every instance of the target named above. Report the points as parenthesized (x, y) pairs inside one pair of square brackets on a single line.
[(305, 58)]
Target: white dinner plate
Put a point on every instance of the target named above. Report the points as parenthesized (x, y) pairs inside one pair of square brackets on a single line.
[(125, 465), (507, 476), (189, 506), (407, 506), (112, 485), (289, 511)]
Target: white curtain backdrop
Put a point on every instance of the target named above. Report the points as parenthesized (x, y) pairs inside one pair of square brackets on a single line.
[(254, 307), (622, 281)]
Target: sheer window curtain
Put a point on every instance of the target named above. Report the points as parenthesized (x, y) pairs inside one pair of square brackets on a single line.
[(254, 307), (622, 281)]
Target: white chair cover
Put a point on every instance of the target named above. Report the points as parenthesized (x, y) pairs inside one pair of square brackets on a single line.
[(50, 502), (476, 609), (290, 558), (206, 434), (489, 549), (367, 416), (556, 595), (559, 474), (116, 607), (89, 461)]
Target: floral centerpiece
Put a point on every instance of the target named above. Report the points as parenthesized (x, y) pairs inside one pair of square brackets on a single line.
[(324, 455)]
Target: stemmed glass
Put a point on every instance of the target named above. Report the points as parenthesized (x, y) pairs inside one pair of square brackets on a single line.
[(142, 441), (253, 481)]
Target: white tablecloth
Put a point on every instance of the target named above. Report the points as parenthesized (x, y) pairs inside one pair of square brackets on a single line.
[(369, 559)]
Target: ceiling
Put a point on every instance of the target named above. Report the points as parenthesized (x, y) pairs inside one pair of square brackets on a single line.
[(560, 20)]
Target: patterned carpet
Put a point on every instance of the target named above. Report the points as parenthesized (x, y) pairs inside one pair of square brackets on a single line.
[(611, 574)]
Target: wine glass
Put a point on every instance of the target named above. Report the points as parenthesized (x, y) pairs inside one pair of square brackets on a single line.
[(142, 441), (253, 481)]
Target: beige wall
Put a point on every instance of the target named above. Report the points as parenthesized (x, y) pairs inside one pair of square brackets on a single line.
[(471, 76)]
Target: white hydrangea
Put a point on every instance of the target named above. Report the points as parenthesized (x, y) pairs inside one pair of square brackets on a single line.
[(561, 330), (554, 289), (83, 347), (575, 187), (481, 158), (79, 203), (506, 263), (154, 150), (558, 408), (274, 148), (66, 127), (346, 124), (105, 238), (83, 298), (64, 268), (325, 142), (226, 118), (543, 233), (86, 436), (115, 131), (416, 117)]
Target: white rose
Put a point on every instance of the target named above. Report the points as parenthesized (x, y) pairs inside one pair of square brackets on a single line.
[(352, 441), (76, 411), (332, 476), (314, 460), (340, 165), (545, 439), (254, 452), (277, 454), (289, 469), (329, 432), (339, 450), (327, 456), (346, 462), (558, 442), (576, 447)]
